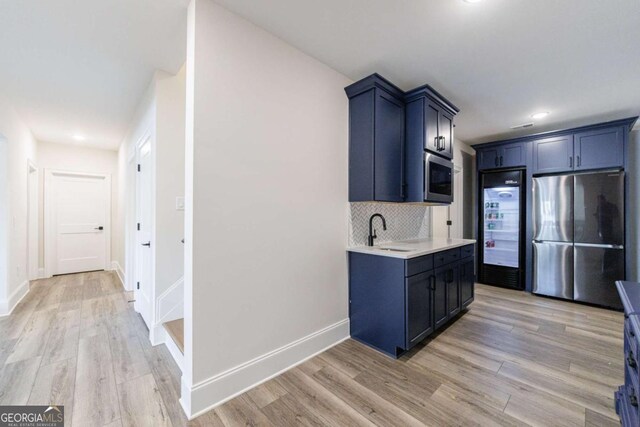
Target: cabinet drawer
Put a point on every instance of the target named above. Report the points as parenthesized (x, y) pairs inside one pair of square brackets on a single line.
[(446, 257), (418, 265), (467, 251)]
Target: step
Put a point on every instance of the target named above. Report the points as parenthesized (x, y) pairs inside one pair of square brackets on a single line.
[(175, 328)]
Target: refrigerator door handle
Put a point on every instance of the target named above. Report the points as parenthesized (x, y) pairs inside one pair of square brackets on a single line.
[(596, 245), (553, 243)]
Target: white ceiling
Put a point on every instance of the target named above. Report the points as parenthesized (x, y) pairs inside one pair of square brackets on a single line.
[(80, 67), (499, 61)]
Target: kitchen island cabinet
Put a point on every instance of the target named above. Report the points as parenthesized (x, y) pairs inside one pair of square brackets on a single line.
[(399, 297)]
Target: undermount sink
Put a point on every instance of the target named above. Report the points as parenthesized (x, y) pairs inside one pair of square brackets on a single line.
[(394, 249)]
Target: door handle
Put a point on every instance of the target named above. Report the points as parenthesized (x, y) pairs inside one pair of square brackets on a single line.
[(432, 282), (570, 161), (501, 161), (148, 244), (99, 228), (436, 140), (578, 160)]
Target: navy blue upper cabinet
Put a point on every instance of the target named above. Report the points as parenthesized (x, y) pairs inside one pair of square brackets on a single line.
[(430, 121), (376, 141), (502, 156), (554, 154), (601, 148)]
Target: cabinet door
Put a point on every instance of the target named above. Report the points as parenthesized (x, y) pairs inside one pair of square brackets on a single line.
[(553, 154), (597, 149), (453, 290), (488, 158), (419, 308), (389, 148), (446, 134), (467, 280), (431, 127), (513, 155), (440, 313)]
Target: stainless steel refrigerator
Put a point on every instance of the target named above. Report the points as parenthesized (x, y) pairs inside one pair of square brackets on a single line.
[(578, 243)]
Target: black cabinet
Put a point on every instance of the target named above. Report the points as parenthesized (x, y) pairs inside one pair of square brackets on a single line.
[(502, 156), (395, 303), (376, 141), (467, 280), (419, 305)]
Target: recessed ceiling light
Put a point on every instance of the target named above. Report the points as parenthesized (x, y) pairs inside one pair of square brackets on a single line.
[(540, 115), (472, 1), (79, 137)]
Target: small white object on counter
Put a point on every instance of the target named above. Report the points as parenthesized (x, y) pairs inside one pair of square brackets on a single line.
[(407, 249)]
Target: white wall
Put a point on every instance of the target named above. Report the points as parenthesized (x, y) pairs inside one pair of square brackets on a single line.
[(633, 171), (266, 206), (170, 134), (160, 113), (21, 146), (75, 158)]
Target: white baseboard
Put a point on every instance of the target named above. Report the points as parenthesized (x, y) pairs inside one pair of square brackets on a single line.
[(214, 391), (41, 273), (115, 266), (7, 306)]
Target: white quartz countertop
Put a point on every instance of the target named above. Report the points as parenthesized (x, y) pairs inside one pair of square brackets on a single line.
[(406, 249)]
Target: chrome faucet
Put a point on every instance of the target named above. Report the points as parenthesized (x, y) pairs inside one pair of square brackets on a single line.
[(372, 232)]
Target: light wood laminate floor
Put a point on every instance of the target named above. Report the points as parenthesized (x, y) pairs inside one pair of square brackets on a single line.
[(511, 359)]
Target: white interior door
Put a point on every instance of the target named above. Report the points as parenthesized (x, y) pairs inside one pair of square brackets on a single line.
[(77, 232), (144, 254)]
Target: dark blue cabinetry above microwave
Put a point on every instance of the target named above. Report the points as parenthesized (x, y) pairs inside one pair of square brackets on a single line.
[(389, 133), (376, 141)]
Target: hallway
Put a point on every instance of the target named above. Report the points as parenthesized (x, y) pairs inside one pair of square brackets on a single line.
[(76, 341)]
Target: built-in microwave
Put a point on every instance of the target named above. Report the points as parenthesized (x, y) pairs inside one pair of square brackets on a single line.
[(438, 179)]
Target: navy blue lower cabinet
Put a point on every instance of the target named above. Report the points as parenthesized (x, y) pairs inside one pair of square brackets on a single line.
[(395, 303), (467, 280), (453, 290), (626, 397), (419, 303)]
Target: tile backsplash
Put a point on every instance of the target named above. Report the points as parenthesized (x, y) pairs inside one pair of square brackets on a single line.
[(404, 222)]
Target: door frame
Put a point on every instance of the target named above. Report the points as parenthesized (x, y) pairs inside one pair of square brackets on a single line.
[(49, 215), (33, 235)]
